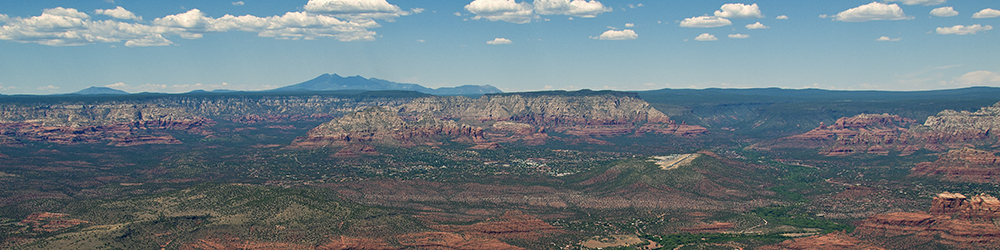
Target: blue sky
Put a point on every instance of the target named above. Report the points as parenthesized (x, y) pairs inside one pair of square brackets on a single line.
[(179, 46)]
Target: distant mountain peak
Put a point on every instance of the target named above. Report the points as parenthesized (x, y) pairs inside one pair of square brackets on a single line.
[(99, 91), (332, 82)]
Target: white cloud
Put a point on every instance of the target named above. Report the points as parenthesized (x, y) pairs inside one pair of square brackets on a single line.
[(355, 9), (944, 12), (580, 8), (421, 40), (962, 29), (981, 77), (523, 12), (738, 36), (629, 25), (457, 13), (739, 10), (119, 13), (887, 39), (626, 34), (871, 12), (501, 10), (705, 22), (238, 3), (987, 13), (69, 27), (705, 37), (758, 25), (500, 40), (919, 2), (49, 88), (782, 17), (633, 6)]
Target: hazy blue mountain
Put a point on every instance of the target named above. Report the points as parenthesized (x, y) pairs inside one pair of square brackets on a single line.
[(99, 91), (328, 82)]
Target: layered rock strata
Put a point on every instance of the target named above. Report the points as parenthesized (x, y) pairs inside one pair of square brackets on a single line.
[(885, 133), (953, 220), (962, 165), (531, 119)]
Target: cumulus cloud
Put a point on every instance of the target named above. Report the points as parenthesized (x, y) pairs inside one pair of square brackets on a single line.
[(524, 12), (629, 25), (739, 10), (625, 34), (944, 12), (758, 25), (119, 13), (782, 17), (705, 22), (887, 39), (69, 27), (987, 13), (738, 36), (579, 8), (501, 10), (356, 9), (979, 78), (871, 12), (705, 37), (238, 3), (500, 40), (919, 2), (962, 29)]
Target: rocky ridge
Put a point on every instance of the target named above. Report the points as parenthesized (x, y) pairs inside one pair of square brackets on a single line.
[(129, 121), (885, 133), (962, 165), (529, 118)]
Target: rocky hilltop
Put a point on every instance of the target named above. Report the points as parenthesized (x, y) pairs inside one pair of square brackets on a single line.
[(531, 118), (953, 220), (885, 133), (377, 124)]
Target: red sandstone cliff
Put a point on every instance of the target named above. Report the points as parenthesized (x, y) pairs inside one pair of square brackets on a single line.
[(953, 220), (963, 165)]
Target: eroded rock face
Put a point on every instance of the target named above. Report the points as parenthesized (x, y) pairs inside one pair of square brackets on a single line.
[(963, 165), (953, 219), (377, 124), (526, 118), (885, 133), (864, 133)]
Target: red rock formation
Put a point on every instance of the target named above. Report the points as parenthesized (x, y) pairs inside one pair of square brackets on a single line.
[(953, 219), (963, 165), (883, 134)]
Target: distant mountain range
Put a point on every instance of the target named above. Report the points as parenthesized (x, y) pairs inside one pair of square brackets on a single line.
[(99, 91), (327, 82)]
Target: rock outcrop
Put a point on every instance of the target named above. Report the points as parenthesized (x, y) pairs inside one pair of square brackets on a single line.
[(962, 165), (953, 220), (528, 118), (377, 124), (885, 133)]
